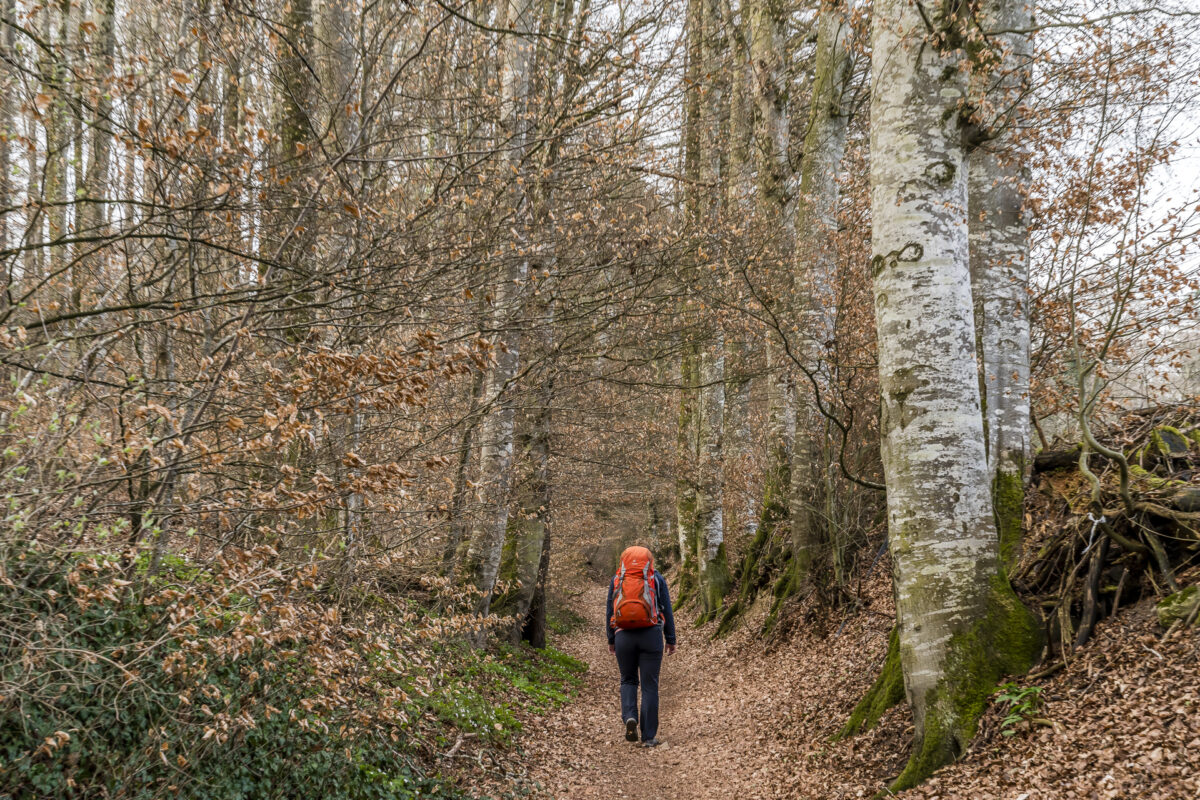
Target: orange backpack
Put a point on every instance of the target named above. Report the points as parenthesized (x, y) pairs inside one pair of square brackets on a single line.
[(635, 601)]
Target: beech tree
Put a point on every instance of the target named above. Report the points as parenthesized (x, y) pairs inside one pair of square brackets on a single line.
[(496, 433), (960, 625), (998, 181), (816, 224)]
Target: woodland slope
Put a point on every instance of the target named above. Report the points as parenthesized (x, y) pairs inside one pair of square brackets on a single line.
[(746, 719)]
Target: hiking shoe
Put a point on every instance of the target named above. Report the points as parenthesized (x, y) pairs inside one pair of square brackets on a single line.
[(631, 730), (652, 743)]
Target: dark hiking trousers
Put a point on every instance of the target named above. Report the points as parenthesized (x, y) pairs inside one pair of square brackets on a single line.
[(640, 653)]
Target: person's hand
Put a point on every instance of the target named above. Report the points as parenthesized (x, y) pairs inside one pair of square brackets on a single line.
[(612, 649), (670, 649)]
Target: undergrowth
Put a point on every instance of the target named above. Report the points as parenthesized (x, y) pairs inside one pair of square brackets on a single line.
[(237, 680)]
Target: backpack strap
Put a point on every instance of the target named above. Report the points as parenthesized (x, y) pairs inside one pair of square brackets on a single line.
[(650, 592)]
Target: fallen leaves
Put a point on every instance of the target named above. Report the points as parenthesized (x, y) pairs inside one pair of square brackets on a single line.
[(741, 721)]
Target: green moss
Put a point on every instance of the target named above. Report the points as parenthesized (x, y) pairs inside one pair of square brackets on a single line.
[(1165, 443), (885, 693), (760, 559), (749, 572), (1008, 499), (688, 578), (1194, 435), (787, 585), (1177, 607), (729, 618), (518, 565), (716, 584), (1148, 480), (1005, 641)]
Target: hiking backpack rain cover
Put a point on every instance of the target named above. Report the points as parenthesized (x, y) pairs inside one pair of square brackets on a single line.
[(635, 601)]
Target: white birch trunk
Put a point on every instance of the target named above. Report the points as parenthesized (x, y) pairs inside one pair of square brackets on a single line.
[(999, 237), (959, 625)]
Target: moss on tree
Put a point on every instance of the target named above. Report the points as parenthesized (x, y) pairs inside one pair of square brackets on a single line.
[(688, 578), (786, 586), (885, 693), (759, 560), (1006, 640), (1008, 499), (715, 584)]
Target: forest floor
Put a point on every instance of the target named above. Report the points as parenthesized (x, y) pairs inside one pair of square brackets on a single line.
[(744, 719)]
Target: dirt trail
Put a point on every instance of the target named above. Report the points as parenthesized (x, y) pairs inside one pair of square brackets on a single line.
[(740, 724), (708, 727)]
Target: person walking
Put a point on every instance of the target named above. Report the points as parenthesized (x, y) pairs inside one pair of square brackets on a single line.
[(639, 620)]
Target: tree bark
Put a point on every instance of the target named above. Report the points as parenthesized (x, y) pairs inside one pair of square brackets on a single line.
[(739, 435), (960, 625), (768, 33), (496, 437), (999, 239), (533, 498), (296, 140), (686, 441), (815, 274), (7, 134), (714, 567), (462, 470), (99, 160)]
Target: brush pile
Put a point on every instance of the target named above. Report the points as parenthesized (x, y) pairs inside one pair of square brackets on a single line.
[(1108, 531)]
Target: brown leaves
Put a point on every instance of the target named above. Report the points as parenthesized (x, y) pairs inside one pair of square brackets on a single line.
[(741, 722)]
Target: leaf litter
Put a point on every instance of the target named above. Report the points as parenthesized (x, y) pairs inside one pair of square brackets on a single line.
[(746, 718)]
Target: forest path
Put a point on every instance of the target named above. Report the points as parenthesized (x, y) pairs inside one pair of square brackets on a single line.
[(706, 726)]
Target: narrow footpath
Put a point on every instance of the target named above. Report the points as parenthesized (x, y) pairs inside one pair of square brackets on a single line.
[(719, 726), (740, 723)]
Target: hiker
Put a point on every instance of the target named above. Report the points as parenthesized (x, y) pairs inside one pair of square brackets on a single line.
[(639, 619)]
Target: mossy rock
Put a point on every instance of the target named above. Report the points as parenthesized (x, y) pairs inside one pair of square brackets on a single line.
[(1178, 607)]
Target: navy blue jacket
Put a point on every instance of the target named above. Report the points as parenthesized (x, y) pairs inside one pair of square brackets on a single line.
[(664, 608)]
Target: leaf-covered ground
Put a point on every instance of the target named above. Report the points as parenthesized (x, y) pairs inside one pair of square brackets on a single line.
[(741, 719)]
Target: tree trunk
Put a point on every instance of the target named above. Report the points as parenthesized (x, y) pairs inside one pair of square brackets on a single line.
[(97, 179), (7, 134), (466, 447), (781, 430), (816, 268), (686, 442), (54, 186), (714, 568), (487, 536), (960, 625), (739, 436), (533, 499), (296, 92), (686, 445), (768, 33), (999, 237), (768, 43)]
